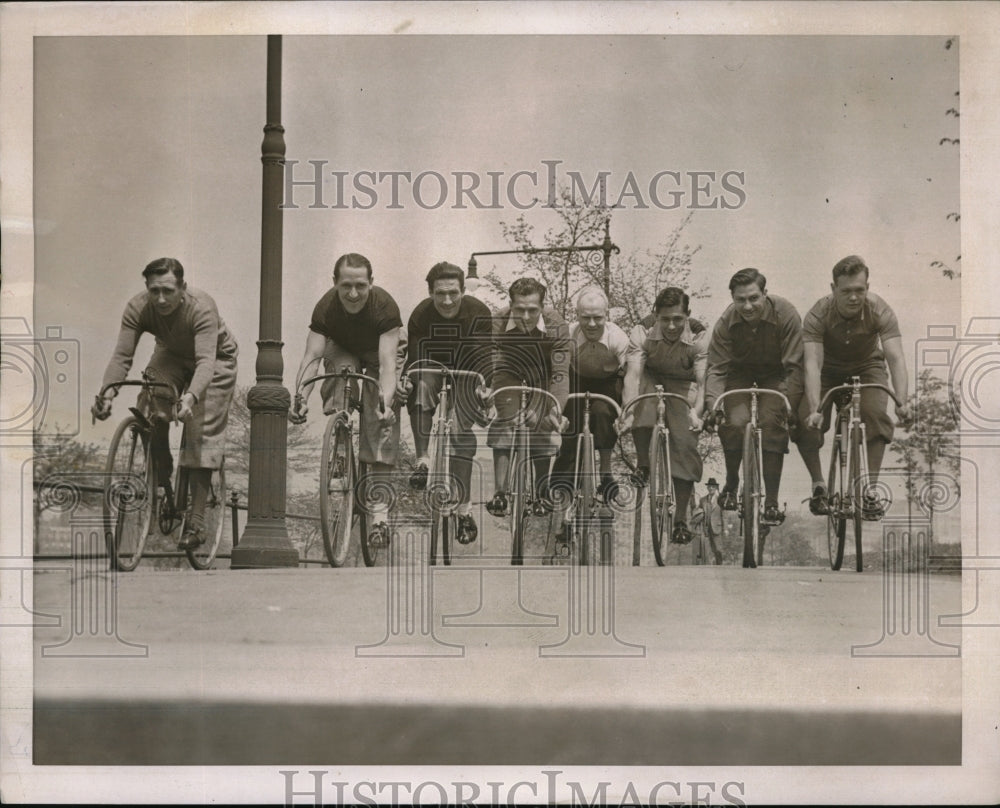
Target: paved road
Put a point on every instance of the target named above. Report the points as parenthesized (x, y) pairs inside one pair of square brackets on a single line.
[(474, 665)]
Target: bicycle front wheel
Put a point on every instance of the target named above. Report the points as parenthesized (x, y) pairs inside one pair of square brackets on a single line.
[(857, 485), (337, 480), (520, 496), (444, 526), (661, 495), (836, 524), (588, 532), (753, 547), (129, 494), (202, 557)]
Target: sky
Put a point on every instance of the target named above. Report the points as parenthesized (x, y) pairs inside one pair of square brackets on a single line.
[(150, 146)]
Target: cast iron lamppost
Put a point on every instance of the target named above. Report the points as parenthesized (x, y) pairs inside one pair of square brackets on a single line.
[(265, 541), (606, 247)]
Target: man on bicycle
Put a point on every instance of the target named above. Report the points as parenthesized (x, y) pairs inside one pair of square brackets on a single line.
[(454, 329), (531, 346), (668, 348), (194, 349), (757, 340), (597, 367), (357, 325), (850, 332)]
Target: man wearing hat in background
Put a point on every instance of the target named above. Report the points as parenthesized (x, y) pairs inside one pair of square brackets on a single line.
[(713, 526)]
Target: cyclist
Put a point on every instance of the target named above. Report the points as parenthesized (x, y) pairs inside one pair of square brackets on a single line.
[(598, 366), (850, 332), (358, 325), (758, 339), (454, 329), (668, 348), (531, 344), (194, 349)]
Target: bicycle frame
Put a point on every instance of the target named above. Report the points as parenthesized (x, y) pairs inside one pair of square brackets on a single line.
[(520, 483), (119, 497), (441, 491), (338, 523), (443, 427), (849, 475), (662, 501), (583, 502), (751, 503)]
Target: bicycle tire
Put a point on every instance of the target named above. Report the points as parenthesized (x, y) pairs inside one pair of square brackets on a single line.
[(444, 527), (836, 525), (857, 483), (661, 494), (519, 499), (202, 557), (440, 497), (337, 511), (753, 546), (588, 528), (129, 495), (374, 555)]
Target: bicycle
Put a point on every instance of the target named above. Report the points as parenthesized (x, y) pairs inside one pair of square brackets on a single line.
[(751, 497), (340, 510), (132, 496), (520, 481), (848, 481), (585, 545), (441, 493), (661, 482)]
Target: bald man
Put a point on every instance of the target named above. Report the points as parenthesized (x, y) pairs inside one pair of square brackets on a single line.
[(598, 367)]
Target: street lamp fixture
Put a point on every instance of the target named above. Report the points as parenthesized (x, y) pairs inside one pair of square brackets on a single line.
[(606, 248)]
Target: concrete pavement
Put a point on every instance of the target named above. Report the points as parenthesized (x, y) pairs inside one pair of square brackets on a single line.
[(482, 664)]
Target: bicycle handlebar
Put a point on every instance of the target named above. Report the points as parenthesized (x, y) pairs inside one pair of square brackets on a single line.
[(445, 371), (757, 390), (525, 389), (340, 374), (145, 383), (343, 373), (851, 388), (661, 394), (596, 397)]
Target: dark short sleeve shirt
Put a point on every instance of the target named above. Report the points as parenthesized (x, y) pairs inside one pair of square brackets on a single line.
[(769, 351), (462, 342), (850, 346), (356, 333)]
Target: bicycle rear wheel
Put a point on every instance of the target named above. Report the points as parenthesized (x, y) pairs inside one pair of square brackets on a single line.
[(857, 484), (836, 525), (753, 545), (337, 480), (201, 557), (129, 494), (661, 494)]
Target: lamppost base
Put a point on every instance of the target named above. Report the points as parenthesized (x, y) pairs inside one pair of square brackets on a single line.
[(264, 547)]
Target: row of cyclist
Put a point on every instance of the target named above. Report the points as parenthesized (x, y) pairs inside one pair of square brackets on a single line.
[(577, 493), (850, 337), (759, 341)]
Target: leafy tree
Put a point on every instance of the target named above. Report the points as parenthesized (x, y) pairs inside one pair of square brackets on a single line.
[(634, 279), (930, 445), (59, 454), (947, 270)]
